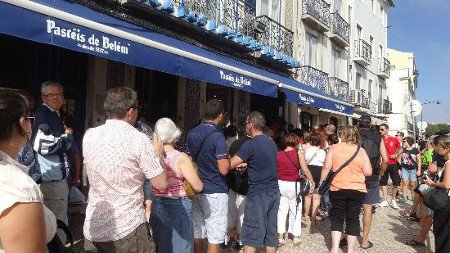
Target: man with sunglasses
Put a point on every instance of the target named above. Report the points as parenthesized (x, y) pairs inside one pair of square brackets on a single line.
[(52, 141), (394, 150)]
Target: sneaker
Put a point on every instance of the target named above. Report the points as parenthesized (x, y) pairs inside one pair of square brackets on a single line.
[(383, 203), (394, 204)]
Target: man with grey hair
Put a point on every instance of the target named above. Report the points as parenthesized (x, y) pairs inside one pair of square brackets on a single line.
[(118, 158), (259, 228), (52, 141)]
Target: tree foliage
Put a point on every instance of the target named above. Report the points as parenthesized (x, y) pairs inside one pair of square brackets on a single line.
[(439, 129)]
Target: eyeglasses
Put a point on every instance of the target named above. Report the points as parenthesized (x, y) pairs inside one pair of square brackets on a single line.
[(30, 117), (54, 95)]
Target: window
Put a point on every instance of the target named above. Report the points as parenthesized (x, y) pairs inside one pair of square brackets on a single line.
[(369, 88), (271, 8), (359, 33), (335, 62), (358, 81), (311, 50), (382, 16), (337, 6), (373, 6)]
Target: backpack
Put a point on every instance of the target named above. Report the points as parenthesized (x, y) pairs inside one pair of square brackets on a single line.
[(372, 146)]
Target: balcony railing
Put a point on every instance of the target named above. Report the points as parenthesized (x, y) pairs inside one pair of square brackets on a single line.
[(387, 106), (275, 35), (363, 52), (234, 14), (338, 88), (313, 77), (384, 67), (319, 10), (365, 101), (341, 29)]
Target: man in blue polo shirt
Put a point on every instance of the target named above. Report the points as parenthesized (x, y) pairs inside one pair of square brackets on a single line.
[(206, 145), (259, 228)]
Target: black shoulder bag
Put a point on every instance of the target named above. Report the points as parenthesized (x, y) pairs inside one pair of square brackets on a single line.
[(324, 187)]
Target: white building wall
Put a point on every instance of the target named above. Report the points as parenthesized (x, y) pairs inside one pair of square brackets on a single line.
[(395, 85), (373, 22), (402, 87)]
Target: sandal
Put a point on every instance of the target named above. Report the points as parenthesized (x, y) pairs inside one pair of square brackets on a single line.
[(281, 242), (414, 242), (369, 245), (296, 241)]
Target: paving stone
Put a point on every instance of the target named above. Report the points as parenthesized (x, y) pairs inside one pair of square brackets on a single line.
[(389, 234)]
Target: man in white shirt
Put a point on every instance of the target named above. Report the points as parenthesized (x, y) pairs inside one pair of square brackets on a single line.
[(118, 158)]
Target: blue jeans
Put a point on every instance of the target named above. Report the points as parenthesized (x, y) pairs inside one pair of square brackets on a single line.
[(172, 225)]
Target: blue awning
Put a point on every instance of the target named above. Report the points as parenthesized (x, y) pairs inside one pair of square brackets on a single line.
[(69, 25), (296, 93), (81, 29)]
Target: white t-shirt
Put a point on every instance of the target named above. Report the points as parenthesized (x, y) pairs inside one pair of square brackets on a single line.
[(18, 187), (318, 159)]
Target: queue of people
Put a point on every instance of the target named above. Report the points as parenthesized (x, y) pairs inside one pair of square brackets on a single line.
[(247, 184)]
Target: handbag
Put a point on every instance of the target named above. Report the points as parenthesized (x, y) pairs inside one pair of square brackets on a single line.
[(324, 187), (303, 182), (436, 199), (190, 192)]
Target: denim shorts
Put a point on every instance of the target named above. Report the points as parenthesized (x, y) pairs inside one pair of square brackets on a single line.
[(260, 220), (209, 215), (409, 174), (373, 192)]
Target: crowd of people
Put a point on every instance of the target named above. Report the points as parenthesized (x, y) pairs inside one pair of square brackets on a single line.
[(239, 186)]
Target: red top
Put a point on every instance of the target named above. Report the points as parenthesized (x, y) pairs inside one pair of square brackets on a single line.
[(392, 145), (286, 169)]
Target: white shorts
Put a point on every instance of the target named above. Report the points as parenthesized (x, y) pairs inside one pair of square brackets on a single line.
[(209, 216)]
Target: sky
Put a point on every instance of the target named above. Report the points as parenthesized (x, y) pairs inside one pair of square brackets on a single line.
[(423, 27)]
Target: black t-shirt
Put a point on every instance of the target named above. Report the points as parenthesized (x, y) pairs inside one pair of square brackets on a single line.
[(237, 180), (260, 154), (371, 143), (409, 158), (440, 161)]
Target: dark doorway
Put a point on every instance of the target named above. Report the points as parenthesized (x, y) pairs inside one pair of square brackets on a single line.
[(26, 64), (157, 93)]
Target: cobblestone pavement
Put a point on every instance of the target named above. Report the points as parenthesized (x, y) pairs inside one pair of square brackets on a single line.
[(389, 234)]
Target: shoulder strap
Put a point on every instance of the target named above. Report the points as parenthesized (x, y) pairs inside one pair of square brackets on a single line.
[(314, 155), (410, 157), (195, 156), (348, 161), (295, 165)]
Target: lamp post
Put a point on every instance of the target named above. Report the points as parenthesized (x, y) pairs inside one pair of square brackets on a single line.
[(421, 113)]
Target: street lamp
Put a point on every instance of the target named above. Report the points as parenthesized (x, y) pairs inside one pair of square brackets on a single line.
[(421, 113)]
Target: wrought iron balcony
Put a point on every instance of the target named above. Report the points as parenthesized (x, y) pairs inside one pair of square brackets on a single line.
[(338, 88), (384, 67), (340, 30), (380, 106), (363, 53), (313, 77), (234, 14), (317, 14), (387, 106), (275, 35)]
